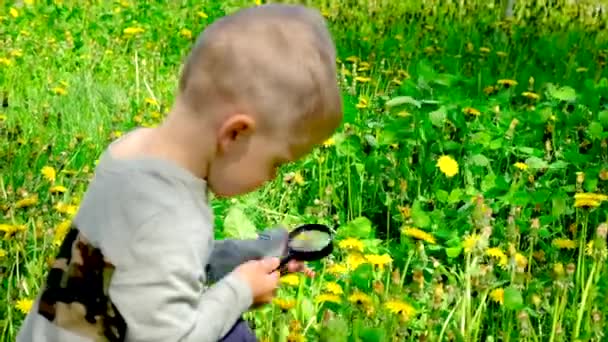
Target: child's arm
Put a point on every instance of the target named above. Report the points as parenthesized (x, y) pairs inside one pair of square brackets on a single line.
[(229, 253), (160, 292)]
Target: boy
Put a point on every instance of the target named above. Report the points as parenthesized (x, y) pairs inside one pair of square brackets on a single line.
[(258, 90)]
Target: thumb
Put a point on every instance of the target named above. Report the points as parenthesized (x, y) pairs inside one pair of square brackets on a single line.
[(270, 264)]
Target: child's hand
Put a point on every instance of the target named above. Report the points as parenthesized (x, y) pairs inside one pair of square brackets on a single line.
[(299, 266), (261, 277)]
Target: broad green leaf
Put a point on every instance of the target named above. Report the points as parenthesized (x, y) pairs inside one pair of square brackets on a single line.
[(237, 225), (558, 165), (306, 308), (596, 130), (336, 330), (362, 276), (603, 117), (438, 116), (536, 163), (488, 182), (480, 160), (371, 334), (442, 195), (513, 299), (456, 195), (453, 252), (419, 216), (565, 93), (361, 228), (401, 100)]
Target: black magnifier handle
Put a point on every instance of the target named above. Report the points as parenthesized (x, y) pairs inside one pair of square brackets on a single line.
[(282, 268)]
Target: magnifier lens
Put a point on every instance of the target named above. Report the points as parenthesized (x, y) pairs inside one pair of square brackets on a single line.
[(311, 240)]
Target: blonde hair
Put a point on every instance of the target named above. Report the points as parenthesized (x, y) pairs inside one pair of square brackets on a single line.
[(274, 61)]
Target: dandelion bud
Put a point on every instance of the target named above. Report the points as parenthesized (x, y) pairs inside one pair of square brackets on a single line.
[(570, 268), (596, 316), (558, 269), (536, 300), (535, 223), (602, 230), (580, 177)]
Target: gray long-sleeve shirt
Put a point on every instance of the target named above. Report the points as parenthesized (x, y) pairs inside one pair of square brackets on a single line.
[(134, 265)]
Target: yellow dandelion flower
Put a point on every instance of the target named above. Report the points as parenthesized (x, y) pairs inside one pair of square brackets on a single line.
[(327, 297), (447, 165), (498, 295), (363, 79), (352, 59), (49, 173), (2, 253), (360, 298), (295, 336), (521, 166), (334, 288), (59, 91), (298, 179), (10, 229), (151, 101), (558, 269), (290, 279), (489, 90), (351, 244), (400, 308), (379, 260), (185, 33), (419, 234), (563, 243), (5, 61), (508, 83), (13, 12), (133, 30), (484, 49), (470, 242), (24, 305), (60, 232), (65, 208), (202, 14), (586, 203), (471, 111), (354, 260), (27, 202), (499, 255), (284, 304), (58, 189), (329, 142), (16, 53), (530, 95), (363, 103), (589, 248), (520, 260), (337, 269)]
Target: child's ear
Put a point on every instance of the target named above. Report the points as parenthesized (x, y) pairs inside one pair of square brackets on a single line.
[(234, 128)]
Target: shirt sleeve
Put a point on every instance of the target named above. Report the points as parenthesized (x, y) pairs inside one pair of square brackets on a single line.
[(229, 253), (160, 290)]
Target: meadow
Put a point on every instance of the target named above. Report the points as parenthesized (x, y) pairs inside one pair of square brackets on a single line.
[(468, 181)]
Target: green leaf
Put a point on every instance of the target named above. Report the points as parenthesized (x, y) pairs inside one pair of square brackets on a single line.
[(536, 163), (336, 330), (455, 196), (438, 116), (237, 225), (480, 160), (442, 195), (565, 93), (453, 252), (595, 130), (360, 228), (370, 334), (419, 217), (513, 299), (603, 117), (401, 100), (362, 276)]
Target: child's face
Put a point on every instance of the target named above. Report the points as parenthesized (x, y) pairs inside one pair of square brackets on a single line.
[(247, 158)]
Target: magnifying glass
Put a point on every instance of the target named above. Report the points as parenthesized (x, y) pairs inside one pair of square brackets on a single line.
[(309, 242)]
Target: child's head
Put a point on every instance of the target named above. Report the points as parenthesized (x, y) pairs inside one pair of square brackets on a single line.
[(265, 80)]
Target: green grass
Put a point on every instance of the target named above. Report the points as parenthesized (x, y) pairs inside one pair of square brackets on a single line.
[(495, 252)]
